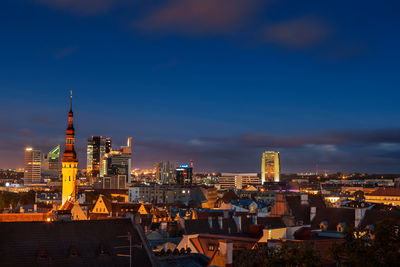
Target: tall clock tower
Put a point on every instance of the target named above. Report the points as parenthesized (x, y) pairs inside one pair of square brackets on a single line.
[(69, 161)]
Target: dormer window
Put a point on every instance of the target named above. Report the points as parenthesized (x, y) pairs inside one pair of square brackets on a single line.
[(211, 247), (323, 225), (73, 252), (340, 227)]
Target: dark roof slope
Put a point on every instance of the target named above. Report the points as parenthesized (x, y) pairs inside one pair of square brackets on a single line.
[(229, 196), (76, 243), (271, 222), (333, 216), (373, 216)]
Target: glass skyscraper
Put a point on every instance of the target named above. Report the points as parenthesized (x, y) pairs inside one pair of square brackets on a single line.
[(32, 166), (51, 163), (96, 148)]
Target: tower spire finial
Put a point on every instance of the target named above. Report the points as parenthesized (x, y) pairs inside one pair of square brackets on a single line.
[(71, 100)]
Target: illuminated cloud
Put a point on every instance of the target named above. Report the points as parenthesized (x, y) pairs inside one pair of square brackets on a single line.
[(199, 17), (297, 34)]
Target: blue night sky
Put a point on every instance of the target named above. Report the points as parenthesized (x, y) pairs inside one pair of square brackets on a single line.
[(218, 81)]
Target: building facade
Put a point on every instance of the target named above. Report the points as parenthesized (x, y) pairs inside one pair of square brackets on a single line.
[(165, 172), (96, 148), (238, 180), (32, 166), (119, 161), (270, 167), (184, 174), (114, 182), (51, 163)]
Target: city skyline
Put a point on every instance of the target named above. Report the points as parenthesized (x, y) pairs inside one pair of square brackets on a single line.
[(311, 83)]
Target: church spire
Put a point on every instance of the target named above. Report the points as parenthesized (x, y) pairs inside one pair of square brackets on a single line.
[(69, 153), (70, 107), (69, 161)]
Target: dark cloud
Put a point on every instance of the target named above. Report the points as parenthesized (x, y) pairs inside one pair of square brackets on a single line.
[(327, 138), (149, 151), (16, 131), (297, 33), (194, 17), (358, 150)]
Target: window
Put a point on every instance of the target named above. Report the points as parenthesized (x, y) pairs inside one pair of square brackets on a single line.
[(211, 247)]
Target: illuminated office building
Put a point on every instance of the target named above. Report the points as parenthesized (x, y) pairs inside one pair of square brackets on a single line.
[(165, 172), (108, 144), (118, 161), (96, 148), (51, 163), (270, 167), (32, 166), (238, 180), (184, 174)]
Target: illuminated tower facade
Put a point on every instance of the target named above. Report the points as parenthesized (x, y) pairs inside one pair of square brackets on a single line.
[(32, 170), (96, 148), (69, 161), (270, 167)]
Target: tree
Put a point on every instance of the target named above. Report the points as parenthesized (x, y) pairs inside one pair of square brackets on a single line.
[(377, 247), (13, 199)]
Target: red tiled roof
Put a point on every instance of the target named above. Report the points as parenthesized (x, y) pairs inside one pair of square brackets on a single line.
[(386, 192)]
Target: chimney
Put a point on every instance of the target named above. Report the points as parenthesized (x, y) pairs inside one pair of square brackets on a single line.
[(220, 222), (210, 224), (313, 212), (359, 215), (163, 227), (254, 219), (238, 221), (181, 222), (226, 249), (304, 199)]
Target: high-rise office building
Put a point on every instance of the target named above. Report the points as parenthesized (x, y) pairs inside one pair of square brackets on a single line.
[(119, 161), (184, 174), (69, 161), (32, 166), (270, 167), (108, 144), (165, 172), (96, 148), (51, 163)]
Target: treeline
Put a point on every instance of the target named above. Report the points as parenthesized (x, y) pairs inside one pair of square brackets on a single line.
[(13, 199), (371, 247)]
